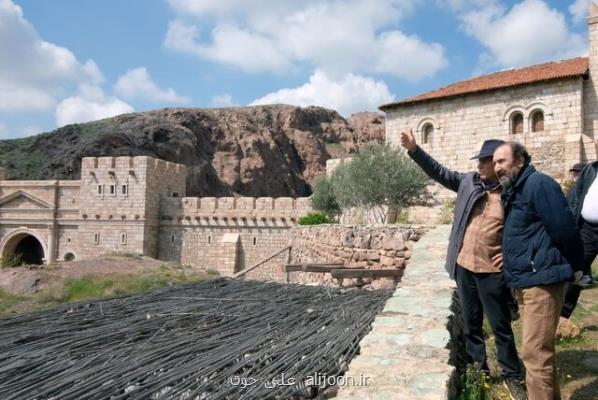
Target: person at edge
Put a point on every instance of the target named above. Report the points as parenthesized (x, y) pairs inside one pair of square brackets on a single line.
[(474, 257), (584, 205), (541, 250)]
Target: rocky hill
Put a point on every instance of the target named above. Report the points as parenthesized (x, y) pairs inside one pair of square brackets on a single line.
[(274, 150)]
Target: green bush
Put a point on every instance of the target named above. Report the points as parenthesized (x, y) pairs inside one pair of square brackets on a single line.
[(323, 198), (473, 384), (10, 261), (315, 218)]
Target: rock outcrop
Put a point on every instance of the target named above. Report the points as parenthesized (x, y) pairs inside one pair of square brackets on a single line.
[(273, 150)]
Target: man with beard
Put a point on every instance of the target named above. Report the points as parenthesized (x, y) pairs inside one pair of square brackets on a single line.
[(541, 251), (474, 257)]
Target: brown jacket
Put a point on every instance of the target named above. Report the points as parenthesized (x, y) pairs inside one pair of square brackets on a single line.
[(483, 234)]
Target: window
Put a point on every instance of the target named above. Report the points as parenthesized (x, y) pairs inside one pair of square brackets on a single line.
[(112, 190), (537, 121), (427, 133), (123, 238), (175, 194), (209, 240), (172, 239), (96, 238), (254, 241), (100, 190), (124, 190), (517, 123), (68, 240)]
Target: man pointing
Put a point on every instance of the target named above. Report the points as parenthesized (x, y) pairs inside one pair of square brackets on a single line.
[(474, 257)]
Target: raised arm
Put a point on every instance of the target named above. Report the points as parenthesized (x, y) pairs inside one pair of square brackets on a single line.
[(447, 178)]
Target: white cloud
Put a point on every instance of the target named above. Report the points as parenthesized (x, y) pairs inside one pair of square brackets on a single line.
[(223, 100), (350, 94), (336, 36), (579, 10), (32, 71), (89, 105), (137, 83), (529, 33)]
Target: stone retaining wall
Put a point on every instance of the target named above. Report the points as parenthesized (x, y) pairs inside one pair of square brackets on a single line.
[(368, 247)]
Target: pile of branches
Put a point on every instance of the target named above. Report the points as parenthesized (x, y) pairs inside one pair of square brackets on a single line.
[(219, 339)]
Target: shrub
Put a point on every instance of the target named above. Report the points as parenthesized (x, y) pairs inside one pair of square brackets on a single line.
[(315, 218), (323, 198), (473, 384), (10, 261)]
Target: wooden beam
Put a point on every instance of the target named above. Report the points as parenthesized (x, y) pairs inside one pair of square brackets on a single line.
[(367, 273), (313, 267)]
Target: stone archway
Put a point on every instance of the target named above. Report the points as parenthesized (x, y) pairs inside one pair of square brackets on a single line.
[(26, 244)]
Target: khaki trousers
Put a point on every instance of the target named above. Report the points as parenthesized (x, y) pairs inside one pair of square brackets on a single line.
[(540, 307)]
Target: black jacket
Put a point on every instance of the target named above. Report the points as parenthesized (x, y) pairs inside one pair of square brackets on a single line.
[(469, 190), (541, 243), (586, 178)]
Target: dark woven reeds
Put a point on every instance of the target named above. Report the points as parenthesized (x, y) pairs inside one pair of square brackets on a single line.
[(220, 339)]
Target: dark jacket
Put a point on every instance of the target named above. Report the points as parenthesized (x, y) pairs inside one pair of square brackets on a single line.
[(541, 244), (469, 190), (585, 180)]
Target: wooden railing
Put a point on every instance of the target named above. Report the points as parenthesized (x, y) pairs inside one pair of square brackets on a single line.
[(246, 270)]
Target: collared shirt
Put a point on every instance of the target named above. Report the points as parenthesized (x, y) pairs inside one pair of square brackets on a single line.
[(589, 210), (483, 234)]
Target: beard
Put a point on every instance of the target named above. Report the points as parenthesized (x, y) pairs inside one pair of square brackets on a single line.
[(506, 181)]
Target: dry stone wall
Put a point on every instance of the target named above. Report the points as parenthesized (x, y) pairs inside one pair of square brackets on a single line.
[(368, 247)]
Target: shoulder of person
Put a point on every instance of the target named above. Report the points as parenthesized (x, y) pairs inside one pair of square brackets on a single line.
[(537, 179)]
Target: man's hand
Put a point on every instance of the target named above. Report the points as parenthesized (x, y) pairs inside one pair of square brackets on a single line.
[(408, 140), (497, 261), (582, 280)]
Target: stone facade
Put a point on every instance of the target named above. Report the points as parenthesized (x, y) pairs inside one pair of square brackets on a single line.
[(368, 247), (459, 124), (136, 205)]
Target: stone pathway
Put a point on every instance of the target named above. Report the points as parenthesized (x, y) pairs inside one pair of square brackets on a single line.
[(406, 354)]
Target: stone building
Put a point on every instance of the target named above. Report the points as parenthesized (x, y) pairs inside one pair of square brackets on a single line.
[(551, 108), (137, 205)]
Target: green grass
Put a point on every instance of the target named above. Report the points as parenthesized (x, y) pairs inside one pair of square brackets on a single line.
[(90, 287), (8, 300)]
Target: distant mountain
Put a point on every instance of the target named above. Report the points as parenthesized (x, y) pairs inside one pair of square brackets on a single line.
[(271, 150)]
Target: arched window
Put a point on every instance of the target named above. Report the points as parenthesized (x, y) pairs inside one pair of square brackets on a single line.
[(427, 132), (517, 123), (537, 121)]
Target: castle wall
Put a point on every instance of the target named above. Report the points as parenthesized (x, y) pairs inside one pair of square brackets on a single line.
[(135, 205), (199, 231)]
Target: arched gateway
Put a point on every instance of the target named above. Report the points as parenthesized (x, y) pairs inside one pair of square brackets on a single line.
[(24, 243)]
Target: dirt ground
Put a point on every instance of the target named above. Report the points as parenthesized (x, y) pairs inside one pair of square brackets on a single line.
[(27, 280)]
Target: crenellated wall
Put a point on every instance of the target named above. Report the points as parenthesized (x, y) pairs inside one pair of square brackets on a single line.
[(136, 205)]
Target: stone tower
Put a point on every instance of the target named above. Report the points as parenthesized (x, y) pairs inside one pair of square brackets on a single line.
[(120, 202)]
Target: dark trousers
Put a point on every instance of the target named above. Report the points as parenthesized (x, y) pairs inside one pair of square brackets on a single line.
[(479, 293), (589, 237)]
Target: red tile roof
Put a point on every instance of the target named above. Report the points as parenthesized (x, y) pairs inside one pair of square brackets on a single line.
[(574, 67)]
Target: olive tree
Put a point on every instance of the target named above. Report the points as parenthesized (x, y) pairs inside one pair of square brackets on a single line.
[(381, 179)]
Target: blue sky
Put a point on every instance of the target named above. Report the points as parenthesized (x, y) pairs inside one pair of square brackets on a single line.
[(66, 61)]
